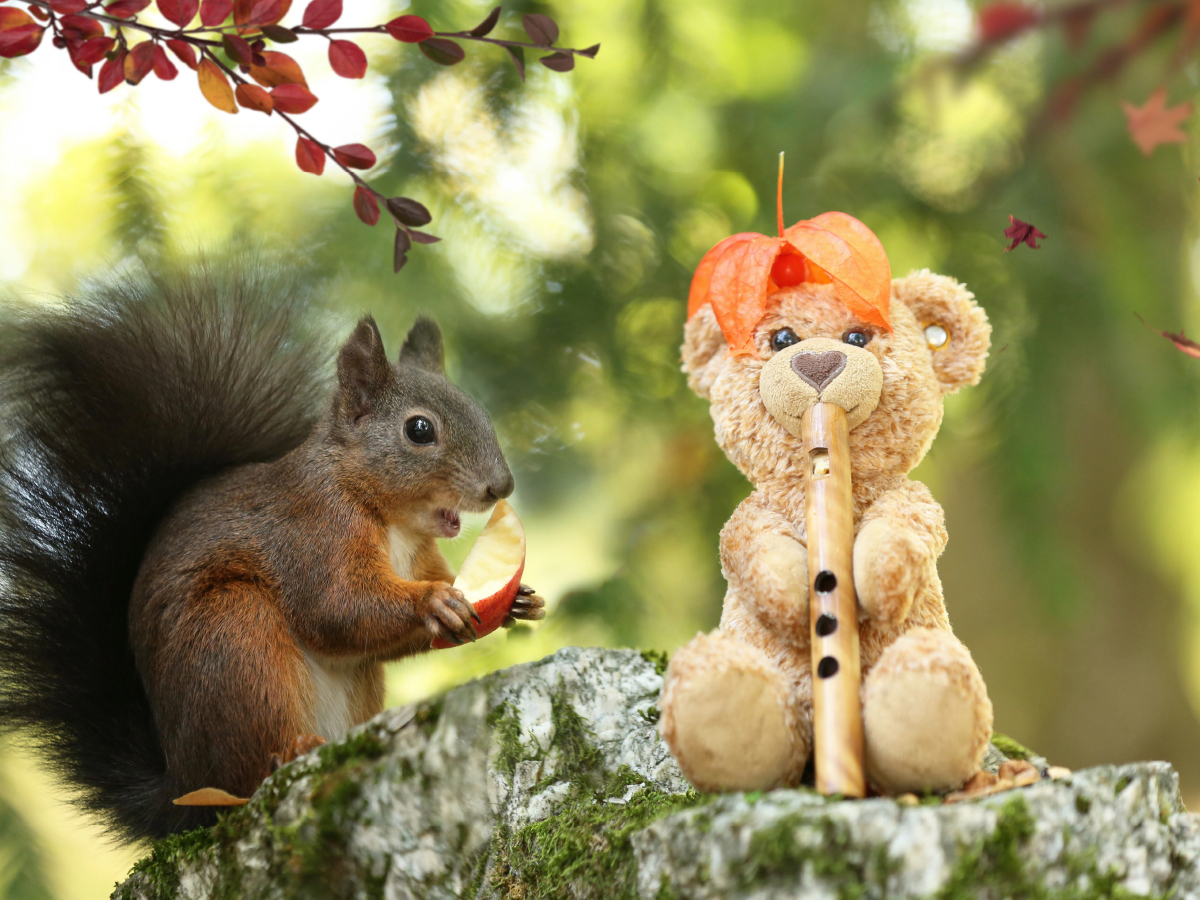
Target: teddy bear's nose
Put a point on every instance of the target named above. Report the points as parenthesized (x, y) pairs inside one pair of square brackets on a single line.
[(819, 369)]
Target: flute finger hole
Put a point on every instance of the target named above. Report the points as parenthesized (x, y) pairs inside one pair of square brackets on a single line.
[(827, 667), (825, 582), (826, 625)]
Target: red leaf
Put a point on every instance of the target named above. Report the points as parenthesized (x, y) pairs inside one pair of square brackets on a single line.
[(1004, 19), (558, 62), (356, 156), (421, 237), (484, 28), (86, 53), (409, 211), (251, 96), (66, 7), (75, 28), (347, 59), (181, 12), (163, 67), (139, 62), (542, 30), (1022, 233), (123, 9), (214, 12), (322, 13), (11, 19), (1182, 342), (292, 98), (258, 12), (442, 51), (280, 69), (410, 29), (112, 73), (185, 52), (237, 49), (19, 41), (365, 205), (1154, 124), (309, 156)]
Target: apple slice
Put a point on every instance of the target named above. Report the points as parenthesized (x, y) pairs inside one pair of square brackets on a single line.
[(490, 576)]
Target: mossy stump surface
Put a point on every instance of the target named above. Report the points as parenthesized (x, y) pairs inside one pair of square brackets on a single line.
[(548, 780)]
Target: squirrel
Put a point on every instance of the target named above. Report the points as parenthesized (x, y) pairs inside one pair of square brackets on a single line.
[(207, 549)]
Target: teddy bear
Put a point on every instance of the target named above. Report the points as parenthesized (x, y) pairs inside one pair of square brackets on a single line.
[(736, 706)]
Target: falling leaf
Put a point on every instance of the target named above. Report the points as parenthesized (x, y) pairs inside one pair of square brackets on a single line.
[(163, 67), (124, 9), (1154, 123), (410, 29), (365, 206), (280, 69), (355, 156), (309, 156), (215, 12), (347, 59), (185, 52), (1182, 342), (409, 211), (1022, 233), (215, 87), (181, 12), (293, 99), (140, 62), (1002, 20), (112, 73), (251, 96), (442, 51), (322, 13), (542, 30)]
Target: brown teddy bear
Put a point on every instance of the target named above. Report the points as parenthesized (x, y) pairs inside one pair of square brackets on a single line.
[(737, 703)]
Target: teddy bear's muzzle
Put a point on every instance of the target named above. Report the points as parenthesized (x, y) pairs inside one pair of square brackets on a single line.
[(820, 370)]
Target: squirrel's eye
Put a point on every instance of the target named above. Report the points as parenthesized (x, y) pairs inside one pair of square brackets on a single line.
[(784, 337), (420, 430), (857, 338)]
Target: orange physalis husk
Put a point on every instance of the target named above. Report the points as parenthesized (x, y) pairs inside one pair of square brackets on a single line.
[(735, 275)]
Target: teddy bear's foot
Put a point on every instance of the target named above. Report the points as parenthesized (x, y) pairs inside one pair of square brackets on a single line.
[(726, 719), (926, 714)]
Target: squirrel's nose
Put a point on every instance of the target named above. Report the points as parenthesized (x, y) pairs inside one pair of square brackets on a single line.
[(499, 489)]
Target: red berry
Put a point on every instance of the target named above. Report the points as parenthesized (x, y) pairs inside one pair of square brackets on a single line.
[(788, 270)]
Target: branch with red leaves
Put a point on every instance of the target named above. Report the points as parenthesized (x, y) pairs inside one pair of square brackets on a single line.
[(229, 51), (1150, 125)]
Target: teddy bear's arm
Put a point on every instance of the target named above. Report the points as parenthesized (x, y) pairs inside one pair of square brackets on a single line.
[(895, 551), (766, 566)]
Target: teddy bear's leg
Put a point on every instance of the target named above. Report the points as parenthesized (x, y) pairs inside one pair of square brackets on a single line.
[(926, 714), (730, 718)]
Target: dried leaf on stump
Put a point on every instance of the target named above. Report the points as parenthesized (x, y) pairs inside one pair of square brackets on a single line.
[(347, 59), (309, 156), (1022, 233), (251, 96), (354, 156), (1153, 123), (215, 87), (322, 13), (410, 29), (365, 206), (279, 69), (292, 98)]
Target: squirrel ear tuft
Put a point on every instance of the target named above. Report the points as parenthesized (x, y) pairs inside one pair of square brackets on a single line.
[(423, 346), (362, 367)]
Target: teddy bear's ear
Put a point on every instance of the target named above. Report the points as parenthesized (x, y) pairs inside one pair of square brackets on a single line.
[(955, 328), (703, 350)]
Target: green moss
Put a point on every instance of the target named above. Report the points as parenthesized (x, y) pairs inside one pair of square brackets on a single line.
[(1011, 748), (161, 868), (650, 715), (577, 755), (656, 658), (1122, 783), (428, 713), (506, 725), (366, 745)]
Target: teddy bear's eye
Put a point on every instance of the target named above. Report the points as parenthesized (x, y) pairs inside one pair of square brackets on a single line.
[(857, 338), (784, 337)]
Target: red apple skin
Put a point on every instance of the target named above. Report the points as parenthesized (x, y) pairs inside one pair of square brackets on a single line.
[(492, 610)]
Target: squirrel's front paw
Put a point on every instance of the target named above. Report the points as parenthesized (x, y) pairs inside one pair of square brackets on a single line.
[(889, 568), (448, 615), (527, 605)]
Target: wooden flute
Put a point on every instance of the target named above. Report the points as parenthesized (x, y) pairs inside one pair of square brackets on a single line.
[(833, 604)]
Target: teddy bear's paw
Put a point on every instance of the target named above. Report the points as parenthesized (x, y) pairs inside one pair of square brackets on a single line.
[(926, 715), (889, 567), (724, 718)]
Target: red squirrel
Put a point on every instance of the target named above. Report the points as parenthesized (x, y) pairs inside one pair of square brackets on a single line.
[(206, 550)]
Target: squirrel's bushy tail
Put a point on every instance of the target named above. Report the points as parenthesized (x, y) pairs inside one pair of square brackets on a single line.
[(111, 405)]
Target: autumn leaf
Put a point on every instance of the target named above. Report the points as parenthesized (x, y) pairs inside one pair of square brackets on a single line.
[(163, 67), (237, 49), (1154, 124), (279, 34), (484, 28), (365, 206), (19, 34), (1022, 233), (410, 29), (181, 12), (124, 9), (293, 99), (112, 73), (215, 87), (185, 52), (139, 62), (1182, 342), (518, 57), (542, 30), (280, 69), (409, 211), (67, 7), (215, 12), (442, 51), (251, 96), (354, 156), (309, 156), (86, 53), (1002, 20), (347, 59), (252, 13), (322, 13), (558, 62), (400, 253), (73, 28)]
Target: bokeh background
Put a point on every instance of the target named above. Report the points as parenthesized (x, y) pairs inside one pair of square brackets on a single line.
[(574, 208)]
